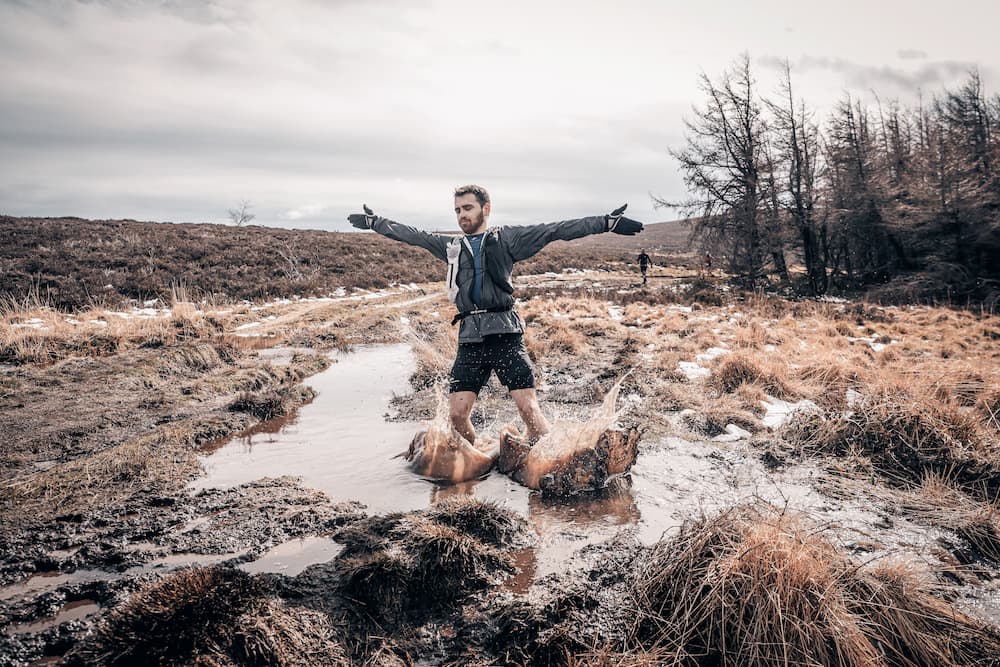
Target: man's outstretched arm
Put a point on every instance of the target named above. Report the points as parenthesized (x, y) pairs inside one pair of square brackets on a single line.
[(526, 241), (435, 243)]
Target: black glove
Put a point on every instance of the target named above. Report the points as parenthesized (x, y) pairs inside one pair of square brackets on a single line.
[(619, 224), (362, 220)]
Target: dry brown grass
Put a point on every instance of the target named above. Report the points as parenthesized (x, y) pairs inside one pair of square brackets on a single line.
[(906, 436), (165, 457), (710, 416), (43, 335), (434, 348), (756, 586), (739, 368), (988, 406)]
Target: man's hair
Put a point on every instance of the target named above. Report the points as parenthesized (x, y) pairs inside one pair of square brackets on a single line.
[(482, 196)]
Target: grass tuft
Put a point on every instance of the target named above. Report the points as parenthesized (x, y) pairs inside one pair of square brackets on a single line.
[(209, 616), (756, 586)]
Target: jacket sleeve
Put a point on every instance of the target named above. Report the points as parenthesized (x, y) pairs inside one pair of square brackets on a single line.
[(436, 243), (524, 242)]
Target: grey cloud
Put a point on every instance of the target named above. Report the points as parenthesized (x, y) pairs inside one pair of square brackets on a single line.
[(196, 11), (883, 78), (912, 54)]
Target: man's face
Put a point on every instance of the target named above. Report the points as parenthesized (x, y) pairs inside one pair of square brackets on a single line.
[(471, 216)]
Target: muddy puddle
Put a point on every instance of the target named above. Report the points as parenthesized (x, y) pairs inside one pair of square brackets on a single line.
[(71, 611), (342, 444)]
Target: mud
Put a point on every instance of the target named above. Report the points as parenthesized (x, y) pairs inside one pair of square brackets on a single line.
[(88, 524)]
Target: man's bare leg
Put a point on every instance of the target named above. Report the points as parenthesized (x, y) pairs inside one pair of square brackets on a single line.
[(460, 409), (527, 404)]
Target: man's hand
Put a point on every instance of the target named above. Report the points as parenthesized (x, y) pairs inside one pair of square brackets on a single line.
[(362, 220), (619, 224)]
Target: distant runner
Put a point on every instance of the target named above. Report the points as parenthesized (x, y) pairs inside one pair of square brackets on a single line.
[(706, 264), (644, 263), (480, 263)]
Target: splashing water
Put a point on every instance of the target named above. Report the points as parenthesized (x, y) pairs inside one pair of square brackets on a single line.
[(439, 428), (567, 437)]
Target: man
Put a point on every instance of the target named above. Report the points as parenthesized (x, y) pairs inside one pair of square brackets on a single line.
[(644, 262), (480, 264)]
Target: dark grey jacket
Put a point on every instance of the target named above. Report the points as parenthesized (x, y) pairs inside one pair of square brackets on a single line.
[(502, 246)]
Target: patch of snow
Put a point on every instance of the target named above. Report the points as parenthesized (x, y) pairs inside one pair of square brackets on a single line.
[(779, 411), (682, 309), (615, 313), (732, 434), (248, 325), (769, 348), (711, 353), (692, 370)]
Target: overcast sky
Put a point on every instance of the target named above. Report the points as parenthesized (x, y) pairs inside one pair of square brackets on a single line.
[(179, 109)]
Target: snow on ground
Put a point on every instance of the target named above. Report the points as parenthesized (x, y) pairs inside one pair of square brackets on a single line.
[(779, 411), (711, 353), (692, 370)]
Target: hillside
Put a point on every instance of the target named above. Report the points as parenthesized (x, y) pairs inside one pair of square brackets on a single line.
[(71, 262)]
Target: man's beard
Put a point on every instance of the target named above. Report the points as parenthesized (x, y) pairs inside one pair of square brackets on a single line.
[(478, 222)]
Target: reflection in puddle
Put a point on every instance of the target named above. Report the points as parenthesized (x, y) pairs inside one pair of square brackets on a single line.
[(294, 556), (174, 561), (71, 611), (48, 580)]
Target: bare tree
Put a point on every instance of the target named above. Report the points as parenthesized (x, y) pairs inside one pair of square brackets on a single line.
[(242, 215), (724, 166), (797, 142)]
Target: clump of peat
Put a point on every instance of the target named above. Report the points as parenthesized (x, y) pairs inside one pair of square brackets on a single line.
[(262, 405), (400, 565), (209, 616)]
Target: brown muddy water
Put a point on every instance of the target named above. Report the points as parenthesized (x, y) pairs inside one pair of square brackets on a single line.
[(342, 444)]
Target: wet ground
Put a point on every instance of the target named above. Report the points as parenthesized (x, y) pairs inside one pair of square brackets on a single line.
[(269, 499)]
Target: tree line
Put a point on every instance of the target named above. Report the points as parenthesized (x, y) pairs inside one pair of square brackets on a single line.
[(874, 194)]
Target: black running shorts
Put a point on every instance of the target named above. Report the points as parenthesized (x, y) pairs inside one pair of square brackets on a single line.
[(503, 353)]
